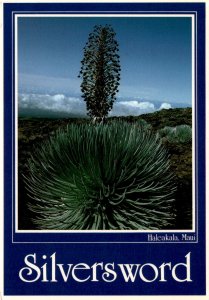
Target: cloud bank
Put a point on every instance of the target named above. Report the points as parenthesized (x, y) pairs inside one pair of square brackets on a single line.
[(57, 103), (165, 106), (74, 106), (132, 108)]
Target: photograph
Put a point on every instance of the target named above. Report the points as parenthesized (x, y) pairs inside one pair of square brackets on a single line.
[(104, 120), (104, 161)]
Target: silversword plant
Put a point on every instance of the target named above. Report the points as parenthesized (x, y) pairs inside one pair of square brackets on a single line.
[(103, 177), (100, 71), (179, 134)]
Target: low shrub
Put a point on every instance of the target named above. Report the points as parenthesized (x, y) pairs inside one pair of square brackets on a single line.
[(179, 134)]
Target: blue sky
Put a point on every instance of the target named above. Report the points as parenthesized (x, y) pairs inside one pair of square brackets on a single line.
[(155, 55)]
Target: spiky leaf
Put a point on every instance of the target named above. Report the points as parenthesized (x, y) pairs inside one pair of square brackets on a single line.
[(113, 176)]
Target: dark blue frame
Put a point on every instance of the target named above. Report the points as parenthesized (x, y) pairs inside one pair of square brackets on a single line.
[(95, 247)]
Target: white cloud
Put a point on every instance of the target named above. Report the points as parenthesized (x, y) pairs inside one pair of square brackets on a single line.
[(165, 106), (52, 103), (60, 103), (58, 97), (132, 108)]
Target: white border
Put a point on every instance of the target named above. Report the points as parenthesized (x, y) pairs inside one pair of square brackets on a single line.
[(110, 15)]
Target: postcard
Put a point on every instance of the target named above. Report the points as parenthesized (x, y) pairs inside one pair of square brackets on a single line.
[(104, 150)]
